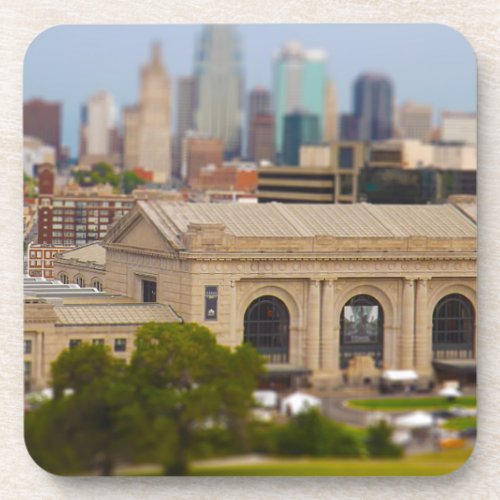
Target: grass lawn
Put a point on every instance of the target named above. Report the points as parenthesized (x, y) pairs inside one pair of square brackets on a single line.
[(434, 464), (460, 423), (413, 403)]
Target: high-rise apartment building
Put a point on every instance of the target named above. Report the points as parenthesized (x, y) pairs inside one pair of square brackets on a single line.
[(259, 102), (373, 107), (415, 121), (147, 127), (219, 78), (458, 126), (300, 128), (42, 120), (300, 83)]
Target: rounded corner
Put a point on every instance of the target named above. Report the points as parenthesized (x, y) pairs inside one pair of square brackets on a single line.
[(37, 38), (458, 34), (34, 460)]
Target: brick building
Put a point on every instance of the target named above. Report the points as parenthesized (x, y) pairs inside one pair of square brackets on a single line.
[(75, 220)]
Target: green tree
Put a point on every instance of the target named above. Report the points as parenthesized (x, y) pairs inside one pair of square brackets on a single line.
[(100, 173), (187, 383), (379, 444), (87, 428), (312, 434), (130, 180)]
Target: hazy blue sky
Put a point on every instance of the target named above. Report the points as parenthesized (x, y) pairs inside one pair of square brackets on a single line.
[(428, 63)]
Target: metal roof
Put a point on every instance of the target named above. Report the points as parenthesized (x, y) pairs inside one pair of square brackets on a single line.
[(360, 220), (123, 314)]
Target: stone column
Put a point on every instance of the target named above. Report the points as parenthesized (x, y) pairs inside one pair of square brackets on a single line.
[(313, 325), (329, 341), (233, 334), (423, 332), (408, 323)]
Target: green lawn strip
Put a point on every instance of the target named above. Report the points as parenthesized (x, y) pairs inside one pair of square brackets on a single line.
[(402, 404), (428, 465), (460, 423)]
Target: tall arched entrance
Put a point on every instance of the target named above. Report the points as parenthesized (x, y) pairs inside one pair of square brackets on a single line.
[(453, 328), (266, 327), (361, 330)]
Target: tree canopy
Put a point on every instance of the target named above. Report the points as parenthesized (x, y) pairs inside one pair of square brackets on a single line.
[(179, 384)]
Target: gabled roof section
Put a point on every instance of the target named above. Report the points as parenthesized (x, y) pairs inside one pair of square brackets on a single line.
[(91, 252), (143, 227)]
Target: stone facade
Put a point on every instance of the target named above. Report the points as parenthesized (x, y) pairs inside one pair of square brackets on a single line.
[(313, 276)]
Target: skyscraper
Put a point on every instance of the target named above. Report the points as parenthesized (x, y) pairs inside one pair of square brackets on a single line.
[(186, 105), (154, 120), (100, 124), (261, 138), (330, 133), (42, 119), (299, 84), (259, 102), (219, 80), (373, 107), (301, 128)]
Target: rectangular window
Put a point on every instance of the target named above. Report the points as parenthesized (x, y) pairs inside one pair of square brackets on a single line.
[(211, 298), (74, 343), (27, 369), (98, 341), (28, 345), (120, 345), (148, 291), (346, 157)]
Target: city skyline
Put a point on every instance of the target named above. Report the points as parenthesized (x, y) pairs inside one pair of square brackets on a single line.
[(438, 61)]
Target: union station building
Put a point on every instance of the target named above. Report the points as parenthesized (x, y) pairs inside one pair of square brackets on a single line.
[(332, 293)]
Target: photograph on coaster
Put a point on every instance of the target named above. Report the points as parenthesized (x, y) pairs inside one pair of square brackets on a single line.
[(250, 250)]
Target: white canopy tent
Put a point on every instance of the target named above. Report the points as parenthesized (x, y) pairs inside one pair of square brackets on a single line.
[(400, 376), (299, 402), (266, 398), (415, 420)]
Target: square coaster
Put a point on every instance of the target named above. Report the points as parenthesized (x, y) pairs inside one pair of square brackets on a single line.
[(250, 250)]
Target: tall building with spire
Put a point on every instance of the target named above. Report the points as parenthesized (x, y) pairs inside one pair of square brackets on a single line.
[(150, 122), (300, 84), (219, 78)]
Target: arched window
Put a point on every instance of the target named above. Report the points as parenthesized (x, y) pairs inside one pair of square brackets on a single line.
[(361, 330), (64, 278), (97, 284), (266, 326), (453, 328), (80, 281)]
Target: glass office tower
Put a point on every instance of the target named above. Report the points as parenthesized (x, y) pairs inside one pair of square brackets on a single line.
[(219, 75)]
